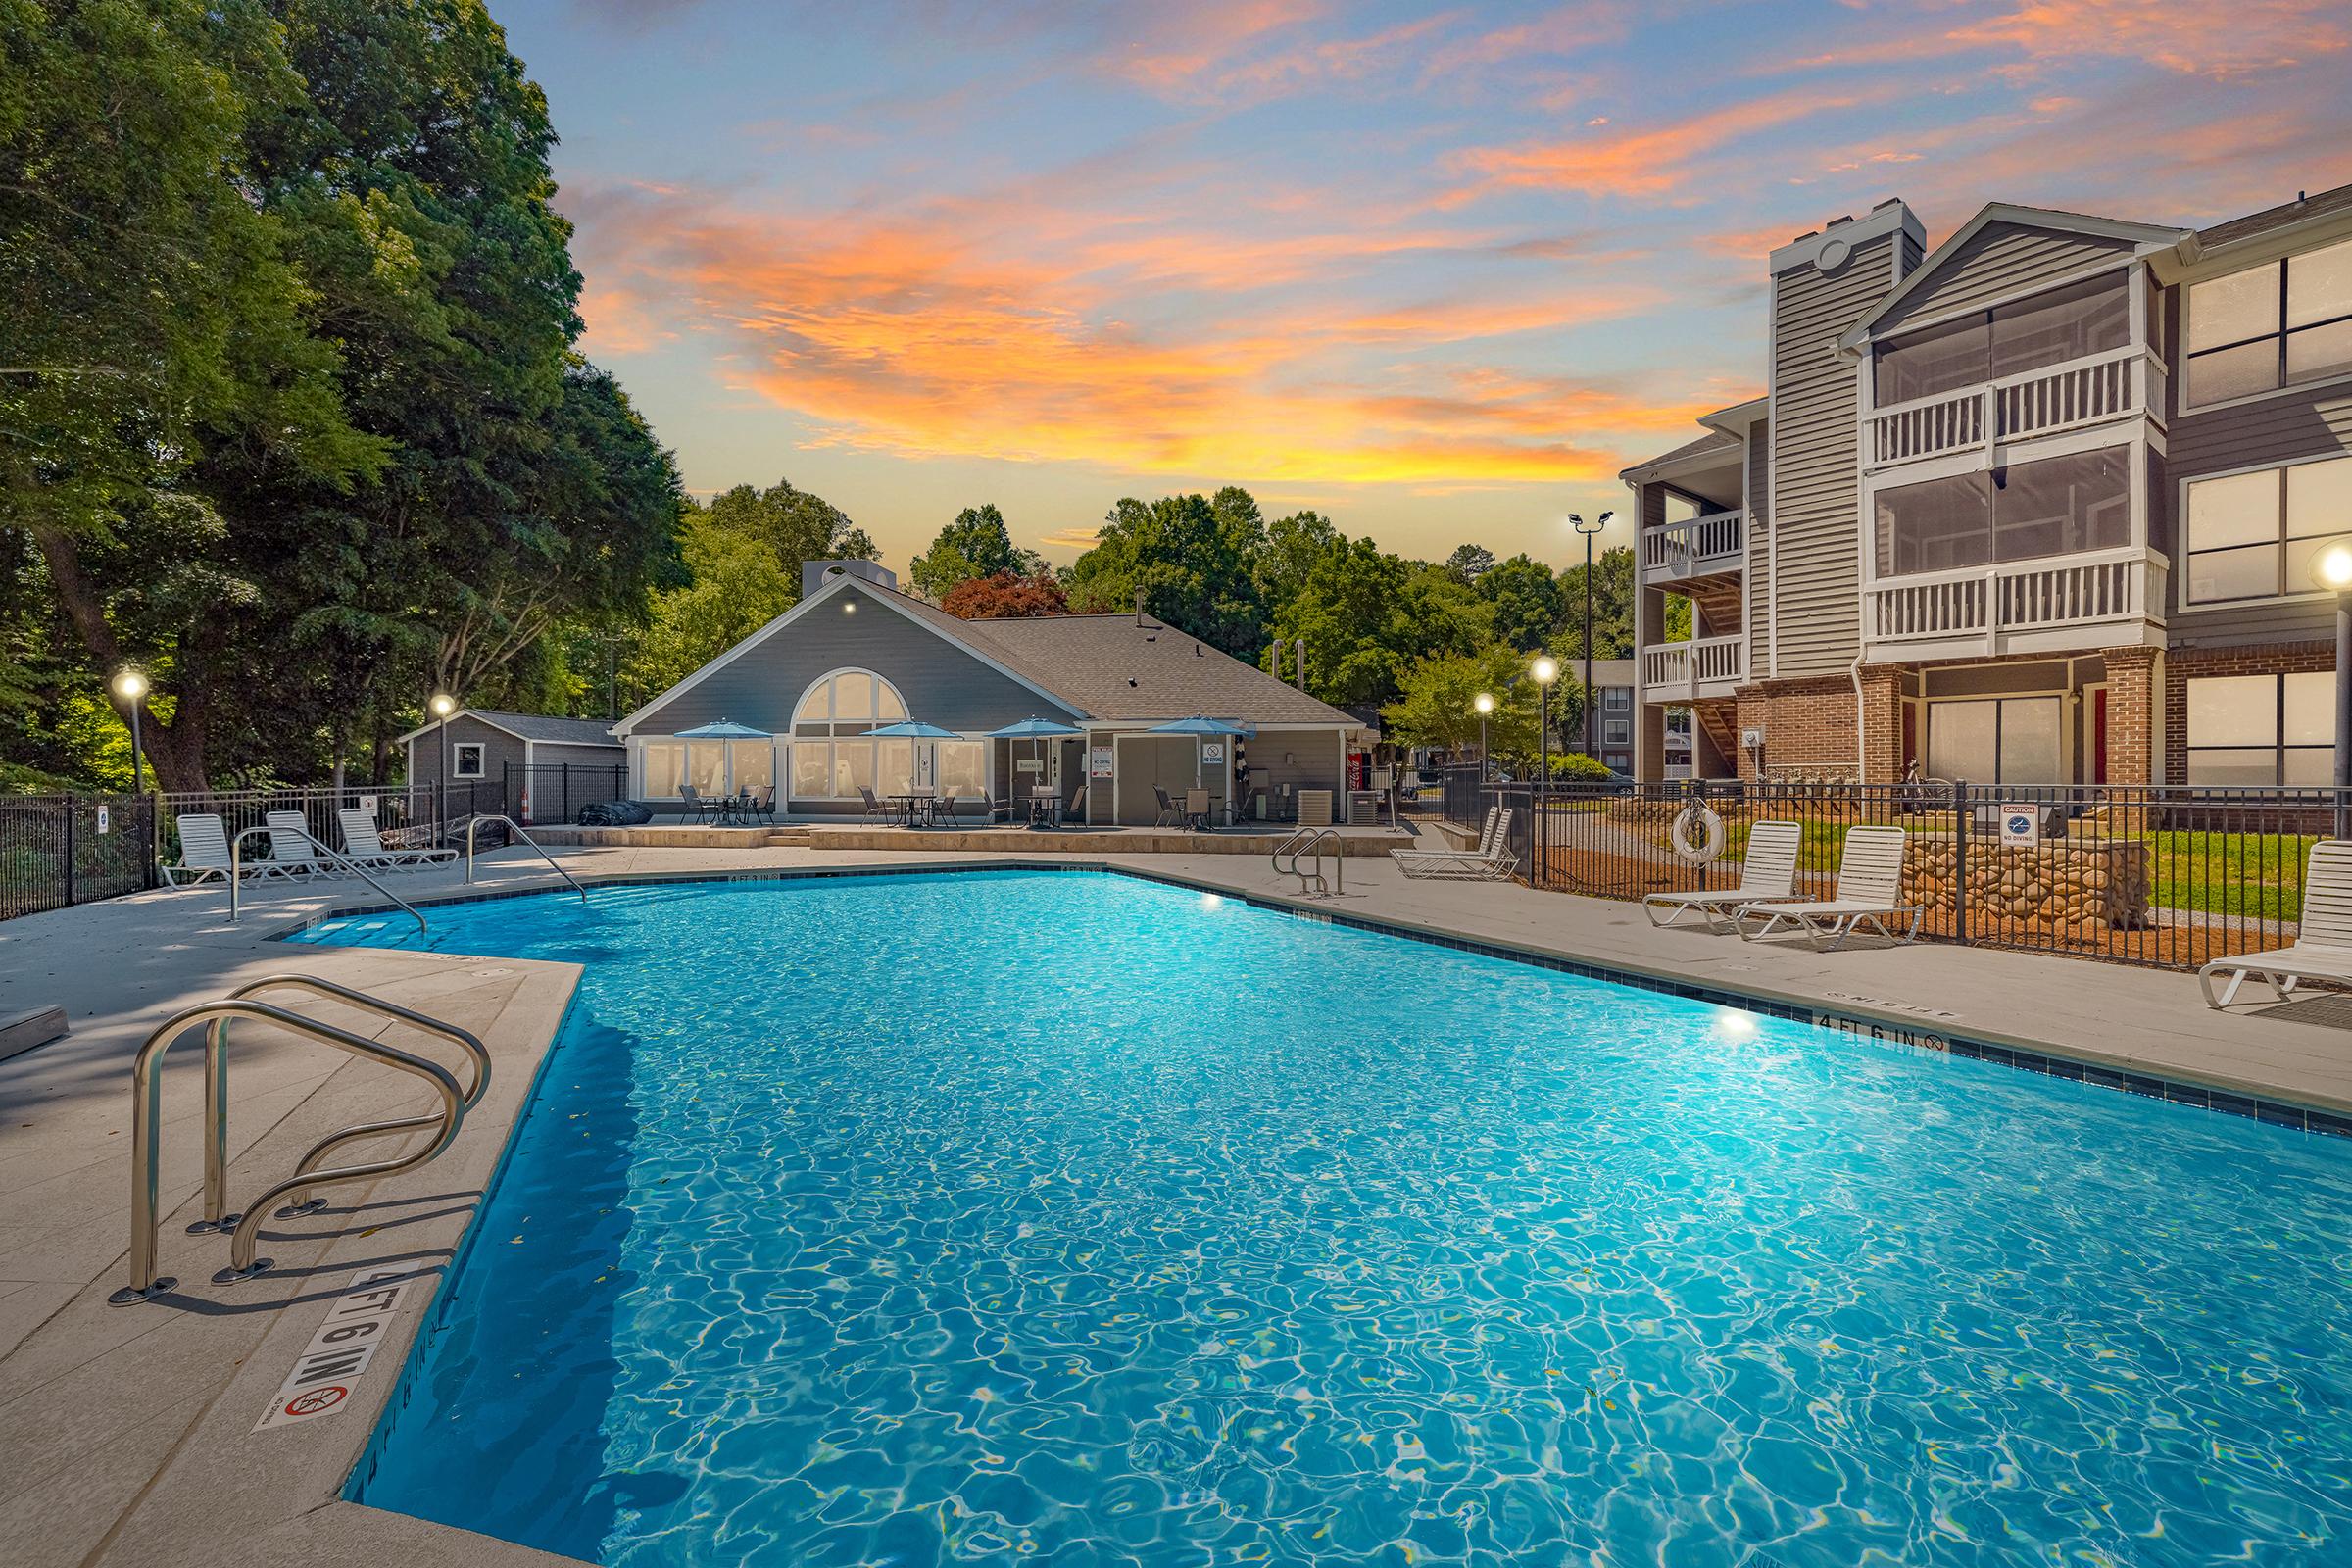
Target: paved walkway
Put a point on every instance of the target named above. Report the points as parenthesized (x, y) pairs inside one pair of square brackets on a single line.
[(127, 1436)]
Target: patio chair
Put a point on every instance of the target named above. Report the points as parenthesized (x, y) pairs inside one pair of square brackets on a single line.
[(204, 853), (1767, 875), (761, 803), (875, 810), (1870, 888), (292, 849), (365, 846), (1075, 811), (704, 811), (1486, 842), (2322, 945), (1169, 815), (943, 808), (1195, 811), (1493, 861)]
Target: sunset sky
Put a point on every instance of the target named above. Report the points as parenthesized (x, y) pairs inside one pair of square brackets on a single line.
[(1436, 270)]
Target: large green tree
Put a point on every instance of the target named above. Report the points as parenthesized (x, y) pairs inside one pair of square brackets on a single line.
[(1527, 600), (1190, 558), (1367, 616), (1437, 703), (1612, 608), (976, 544)]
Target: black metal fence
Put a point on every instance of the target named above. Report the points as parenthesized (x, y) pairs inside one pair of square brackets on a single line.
[(61, 850), (555, 792), (2149, 874)]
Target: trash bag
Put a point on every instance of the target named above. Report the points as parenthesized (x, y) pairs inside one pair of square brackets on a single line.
[(614, 813)]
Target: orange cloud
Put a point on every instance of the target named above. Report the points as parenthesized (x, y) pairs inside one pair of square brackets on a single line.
[(2221, 41), (929, 337), (1641, 163)]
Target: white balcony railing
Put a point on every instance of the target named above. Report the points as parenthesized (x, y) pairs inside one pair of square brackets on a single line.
[(1707, 667), (1695, 547), (2038, 403), (1997, 603)]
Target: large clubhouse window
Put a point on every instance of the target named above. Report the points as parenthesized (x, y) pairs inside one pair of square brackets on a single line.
[(2082, 319), (2271, 326), (2252, 535), (703, 765), (2025, 510), (831, 757), (2262, 729)]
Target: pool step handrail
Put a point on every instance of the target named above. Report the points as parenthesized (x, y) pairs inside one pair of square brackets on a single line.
[(216, 1092), (146, 1129), (1309, 841), (236, 878), (521, 833)]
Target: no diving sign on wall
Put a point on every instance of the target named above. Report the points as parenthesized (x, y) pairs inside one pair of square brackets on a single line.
[(327, 1371)]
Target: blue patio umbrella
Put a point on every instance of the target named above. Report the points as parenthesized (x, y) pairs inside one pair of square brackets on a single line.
[(728, 732), (915, 729)]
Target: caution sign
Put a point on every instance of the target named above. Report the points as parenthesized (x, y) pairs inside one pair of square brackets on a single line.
[(340, 1352)]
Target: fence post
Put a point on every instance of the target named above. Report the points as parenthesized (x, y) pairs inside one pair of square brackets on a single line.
[(1960, 824), (71, 813)]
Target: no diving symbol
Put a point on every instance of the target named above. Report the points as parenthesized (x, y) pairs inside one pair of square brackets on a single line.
[(316, 1403)]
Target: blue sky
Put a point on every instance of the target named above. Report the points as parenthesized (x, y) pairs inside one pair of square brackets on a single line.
[(1437, 272)]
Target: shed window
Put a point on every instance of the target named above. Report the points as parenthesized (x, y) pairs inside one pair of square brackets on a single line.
[(466, 759)]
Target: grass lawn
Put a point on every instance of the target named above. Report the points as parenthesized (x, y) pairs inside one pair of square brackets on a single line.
[(2252, 874)]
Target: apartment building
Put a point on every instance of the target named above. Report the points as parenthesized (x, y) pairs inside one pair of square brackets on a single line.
[(2036, 506)]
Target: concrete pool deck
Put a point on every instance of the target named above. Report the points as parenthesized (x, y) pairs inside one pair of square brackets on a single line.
[(127, 1434)]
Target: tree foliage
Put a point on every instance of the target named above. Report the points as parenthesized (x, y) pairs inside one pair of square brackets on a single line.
[(1006, 596), (1191, 562), (977, 544), (1437, 703), (291, 381)]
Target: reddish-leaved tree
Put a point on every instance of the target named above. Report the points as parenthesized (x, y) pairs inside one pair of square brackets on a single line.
[(1005, 596)]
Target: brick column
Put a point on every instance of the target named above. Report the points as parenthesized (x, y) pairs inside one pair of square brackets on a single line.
[(1882, 724), (2134, 710)]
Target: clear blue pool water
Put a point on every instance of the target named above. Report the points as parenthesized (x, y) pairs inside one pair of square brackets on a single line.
[(1075, 1219)]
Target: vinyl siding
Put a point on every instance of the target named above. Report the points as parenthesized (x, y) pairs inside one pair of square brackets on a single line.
[(498, 748), (549, 753), (2001, 261), (1815, 500), (942, 684), (2287, 428), (1758, 576)]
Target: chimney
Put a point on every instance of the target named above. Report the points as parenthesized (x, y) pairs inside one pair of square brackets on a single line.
[(1139, 607), (1300, 647)]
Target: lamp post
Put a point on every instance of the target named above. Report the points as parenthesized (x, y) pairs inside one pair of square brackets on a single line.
[(1546, 671), (1590, 530), (442, 705), (1483, 702), (2331, 569), (131, 687)]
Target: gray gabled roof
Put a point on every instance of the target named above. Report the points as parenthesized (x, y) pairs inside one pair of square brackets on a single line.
[(1113, 668), (2141, 238), (2303, 208), (1712, 441), (533, 727)]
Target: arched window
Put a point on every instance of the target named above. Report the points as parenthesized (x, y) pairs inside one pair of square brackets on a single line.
[(831, 760)]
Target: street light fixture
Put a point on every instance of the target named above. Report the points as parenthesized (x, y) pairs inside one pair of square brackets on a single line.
[(1590, 530), (1546, 669), (441, 705), (2331, 569), (1483, 702), (131, 686)]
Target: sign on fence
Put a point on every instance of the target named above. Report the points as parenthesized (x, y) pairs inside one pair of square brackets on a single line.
[(2020, 826)]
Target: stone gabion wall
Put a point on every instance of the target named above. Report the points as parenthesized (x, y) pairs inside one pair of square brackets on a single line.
[(2090, 884)]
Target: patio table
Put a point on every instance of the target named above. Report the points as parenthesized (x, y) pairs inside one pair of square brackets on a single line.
[(1045, 806), (911, 804)]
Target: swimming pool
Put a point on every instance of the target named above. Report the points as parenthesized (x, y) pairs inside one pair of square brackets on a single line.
[(1073, 1219)]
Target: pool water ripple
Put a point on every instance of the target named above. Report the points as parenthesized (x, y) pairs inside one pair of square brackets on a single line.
[(1032, 1217)]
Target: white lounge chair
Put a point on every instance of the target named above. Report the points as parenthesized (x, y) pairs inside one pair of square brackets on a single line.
[(292, 849), (204, 853), (1491, 862), (365, 846), (2322, 945), (1767, 875), (1870, 888)]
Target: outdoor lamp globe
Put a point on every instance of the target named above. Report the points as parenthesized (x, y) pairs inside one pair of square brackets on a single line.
[(1483, 702), (131, 685), (2331, 569), (443, 704), (1546, 669)]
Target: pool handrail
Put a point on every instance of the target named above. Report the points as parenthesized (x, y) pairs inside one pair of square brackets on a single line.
[(215, 1092), (1313, 884), (519, 832), (146, 1136), (236, 879)]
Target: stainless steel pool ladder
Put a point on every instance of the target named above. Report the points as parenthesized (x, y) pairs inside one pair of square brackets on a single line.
[(146, 1120), (1309, 842), (517, 829), (236, 872)]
